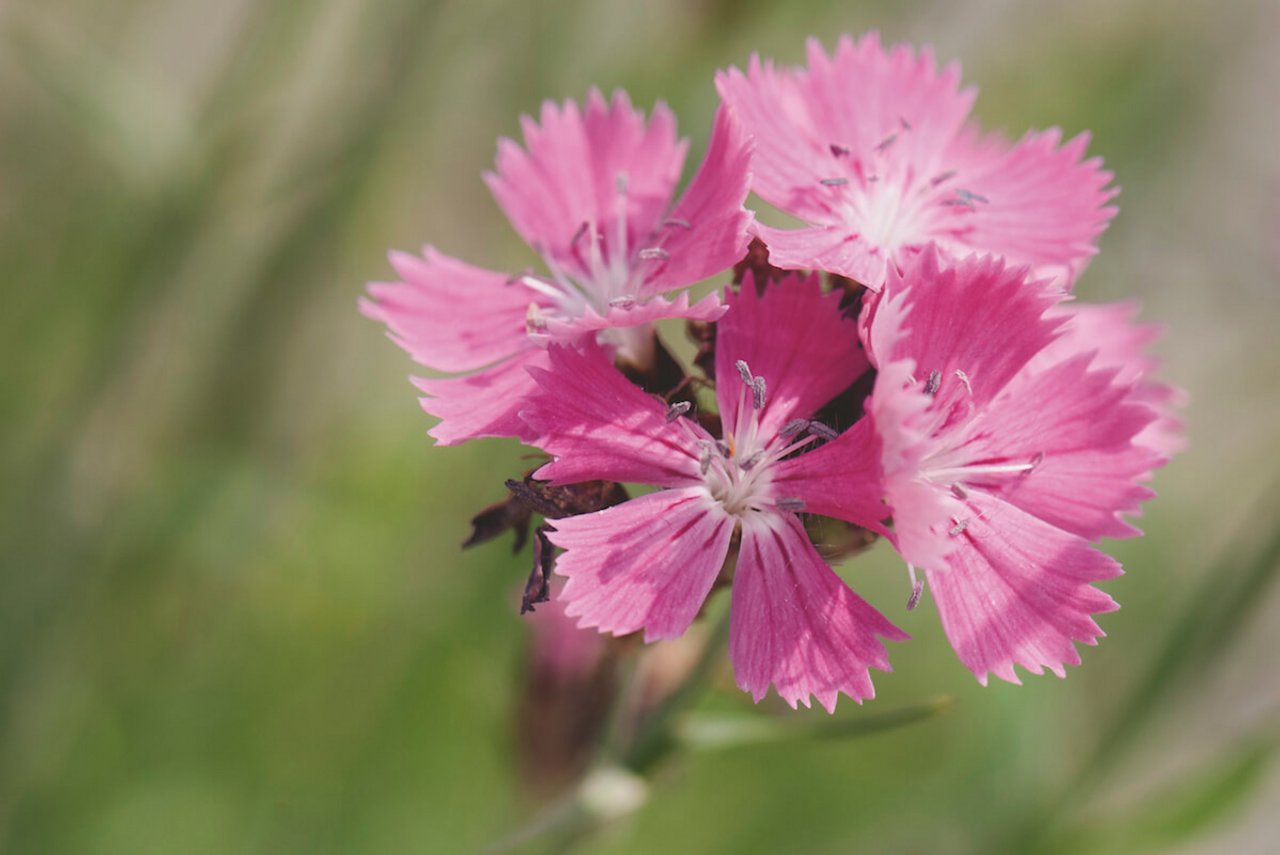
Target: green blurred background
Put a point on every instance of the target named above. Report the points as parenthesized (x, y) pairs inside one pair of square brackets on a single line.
[(233, 612)]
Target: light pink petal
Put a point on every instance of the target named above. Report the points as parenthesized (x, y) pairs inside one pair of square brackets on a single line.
[(795, 624), (854, 101), (708, 230), (449, 315), (481, 404), (1018, 592), (593, 167), (832, 249), (797, 339), (634, 314), (1045, 204), (644, 564), (978, 317), (922, 511), (1120, 343), (600, 426), (841, 479), (1078, 426)]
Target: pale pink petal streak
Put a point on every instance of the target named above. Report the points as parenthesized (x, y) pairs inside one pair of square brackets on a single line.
[(795, 624)]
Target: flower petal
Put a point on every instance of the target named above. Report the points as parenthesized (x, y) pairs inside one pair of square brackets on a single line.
[(449, 315), (709, 308), (796, 625), (644, 564), (481, 404), (833, 249), (976, 323), (599, 426), (841, 479), (708, 230), (1042, 204), (592, 167), (1017, 592), (797, 339)]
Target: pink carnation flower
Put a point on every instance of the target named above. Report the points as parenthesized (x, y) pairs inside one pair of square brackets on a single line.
[(872, 148), (649, 563), (1009, 448), (591, 193)]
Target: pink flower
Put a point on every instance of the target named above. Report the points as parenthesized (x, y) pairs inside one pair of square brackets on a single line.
[(1008, 450), (590, 192), (649, 563), (872, 148)]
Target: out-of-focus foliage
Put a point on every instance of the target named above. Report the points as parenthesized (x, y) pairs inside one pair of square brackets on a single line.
[(233, 613)]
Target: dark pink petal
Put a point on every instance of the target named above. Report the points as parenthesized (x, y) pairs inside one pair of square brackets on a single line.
[(1078, 426), (841, 479), (645, 564), (592, 167), (1018, 592), (708, 230), (1045, 204), (449, 315), (796, 625), (978, 317), (797, 339), (600, 426), (481, 404)]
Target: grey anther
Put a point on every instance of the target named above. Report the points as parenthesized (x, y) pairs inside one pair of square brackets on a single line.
[(678, 409), (838, 150), (758, 390), (959, 491), (935, 380), (1037, 460), (578, 235), (752, 462), (916, 590), (677, 221), (622, 183), (653, 252), (834, 182), (744, 371), (821, 430), (795, 427), (626, 302), (790, 504), (884, 144), (942, 177), (723, 448), (958, 528)]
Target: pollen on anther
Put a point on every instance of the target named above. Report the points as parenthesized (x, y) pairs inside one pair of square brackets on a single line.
[(758, 390), (823, 430), (791, 504), (653, 252), (678, 409), (795, 427), (935, 380), (958, 529), (834, 182), (753, 461), (744, 371)]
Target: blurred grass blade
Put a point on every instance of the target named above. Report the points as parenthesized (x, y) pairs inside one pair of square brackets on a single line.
[(708, 732), (1173, 816)]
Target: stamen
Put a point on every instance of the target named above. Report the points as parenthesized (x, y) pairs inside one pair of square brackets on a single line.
[(621, 183), (653, 252), (834, 182), (578, 235), (752, 462), (758, 392), (793, 428), (884, 144), (917, 588), (942, 177), (704, 455), (824, 431), (744, 370), (678, 409), (970, 197), (1037, 460), (935, 380), (906, 126), (839, 150), (958, 490), (959, 527), (677, 221), (723, 448), (793, 505), (964, 378), (625, 302)]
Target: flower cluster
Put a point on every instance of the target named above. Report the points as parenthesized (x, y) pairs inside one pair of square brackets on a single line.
[(909, 364)]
